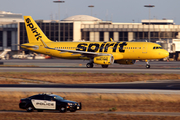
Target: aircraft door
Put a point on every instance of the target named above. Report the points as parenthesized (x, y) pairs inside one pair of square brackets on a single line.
[(144, 48)]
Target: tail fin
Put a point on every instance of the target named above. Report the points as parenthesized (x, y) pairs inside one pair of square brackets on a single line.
[(33, 31)]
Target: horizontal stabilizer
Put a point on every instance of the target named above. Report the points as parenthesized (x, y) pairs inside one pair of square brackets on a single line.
[(29, 45)]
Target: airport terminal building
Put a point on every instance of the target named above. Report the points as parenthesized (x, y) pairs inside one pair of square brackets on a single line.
[(86, 28)]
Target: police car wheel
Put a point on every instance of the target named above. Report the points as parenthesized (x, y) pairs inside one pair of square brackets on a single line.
[(30, 108), (63, 109), (40, 110)]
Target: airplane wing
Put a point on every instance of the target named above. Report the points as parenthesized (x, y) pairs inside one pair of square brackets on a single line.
[(84, 53)]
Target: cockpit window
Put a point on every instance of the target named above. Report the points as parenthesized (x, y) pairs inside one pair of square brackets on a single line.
[(157, 47)]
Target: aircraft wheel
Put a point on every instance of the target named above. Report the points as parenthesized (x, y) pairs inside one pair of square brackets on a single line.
[(89, 65), (147, 66), (104, 66)]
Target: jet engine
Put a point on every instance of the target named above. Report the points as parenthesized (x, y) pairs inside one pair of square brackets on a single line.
[(104, 60), (127, 62)]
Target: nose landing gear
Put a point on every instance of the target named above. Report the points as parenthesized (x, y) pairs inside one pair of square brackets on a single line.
[(147, 64)]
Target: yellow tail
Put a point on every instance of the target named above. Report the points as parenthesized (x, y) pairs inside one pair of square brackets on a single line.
[(33, 31)]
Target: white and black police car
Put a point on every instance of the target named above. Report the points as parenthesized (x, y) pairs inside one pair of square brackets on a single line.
[(47, 101)]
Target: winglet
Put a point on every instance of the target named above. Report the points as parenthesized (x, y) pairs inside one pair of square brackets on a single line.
[(111, 39), (44, 44)]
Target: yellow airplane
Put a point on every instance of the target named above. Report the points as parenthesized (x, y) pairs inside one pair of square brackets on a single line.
[(102, 53)]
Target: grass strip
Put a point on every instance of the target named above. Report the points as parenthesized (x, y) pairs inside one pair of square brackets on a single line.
[(80, 78)]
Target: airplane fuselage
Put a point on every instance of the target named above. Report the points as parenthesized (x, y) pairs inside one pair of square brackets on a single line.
[(120, 50)]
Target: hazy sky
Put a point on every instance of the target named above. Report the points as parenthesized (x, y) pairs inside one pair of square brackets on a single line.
[(115, 10)]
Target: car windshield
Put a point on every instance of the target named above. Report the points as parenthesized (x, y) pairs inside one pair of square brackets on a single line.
[(58, 97)]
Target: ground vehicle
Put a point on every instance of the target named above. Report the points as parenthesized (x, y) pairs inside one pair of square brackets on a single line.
[(172, 46), (46, 101)]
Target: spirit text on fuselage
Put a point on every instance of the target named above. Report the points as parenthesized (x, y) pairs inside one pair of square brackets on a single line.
[(102, 47)]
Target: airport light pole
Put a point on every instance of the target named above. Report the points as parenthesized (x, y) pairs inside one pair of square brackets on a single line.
[(91, 6), (149, 33), (59, 30)]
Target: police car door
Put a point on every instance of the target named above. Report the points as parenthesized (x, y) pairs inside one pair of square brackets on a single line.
[(49, 102), (44, 103)]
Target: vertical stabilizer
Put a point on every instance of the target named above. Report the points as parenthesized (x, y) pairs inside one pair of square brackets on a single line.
[(33, 31)]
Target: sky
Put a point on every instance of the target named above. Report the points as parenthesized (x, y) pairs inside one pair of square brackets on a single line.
[(124, 11)]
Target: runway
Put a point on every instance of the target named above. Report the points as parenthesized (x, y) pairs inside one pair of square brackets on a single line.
[(91, 90), (149, 87), (61, 65)]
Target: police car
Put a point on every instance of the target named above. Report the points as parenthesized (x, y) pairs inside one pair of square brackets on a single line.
[(46, 101)]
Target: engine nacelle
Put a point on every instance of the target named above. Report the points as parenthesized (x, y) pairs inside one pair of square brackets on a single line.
[(104, 60), (127, 62)]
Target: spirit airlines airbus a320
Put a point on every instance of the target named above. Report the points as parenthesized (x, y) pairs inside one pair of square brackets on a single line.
[(102, 53)]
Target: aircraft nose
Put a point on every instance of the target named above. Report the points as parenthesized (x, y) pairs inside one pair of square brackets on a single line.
[(165, 53)]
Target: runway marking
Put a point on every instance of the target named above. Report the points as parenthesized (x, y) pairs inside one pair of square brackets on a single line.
[(173, 86)]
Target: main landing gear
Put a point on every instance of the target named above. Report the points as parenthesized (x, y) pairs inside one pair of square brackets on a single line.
[(90, 65), (147, 64)]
